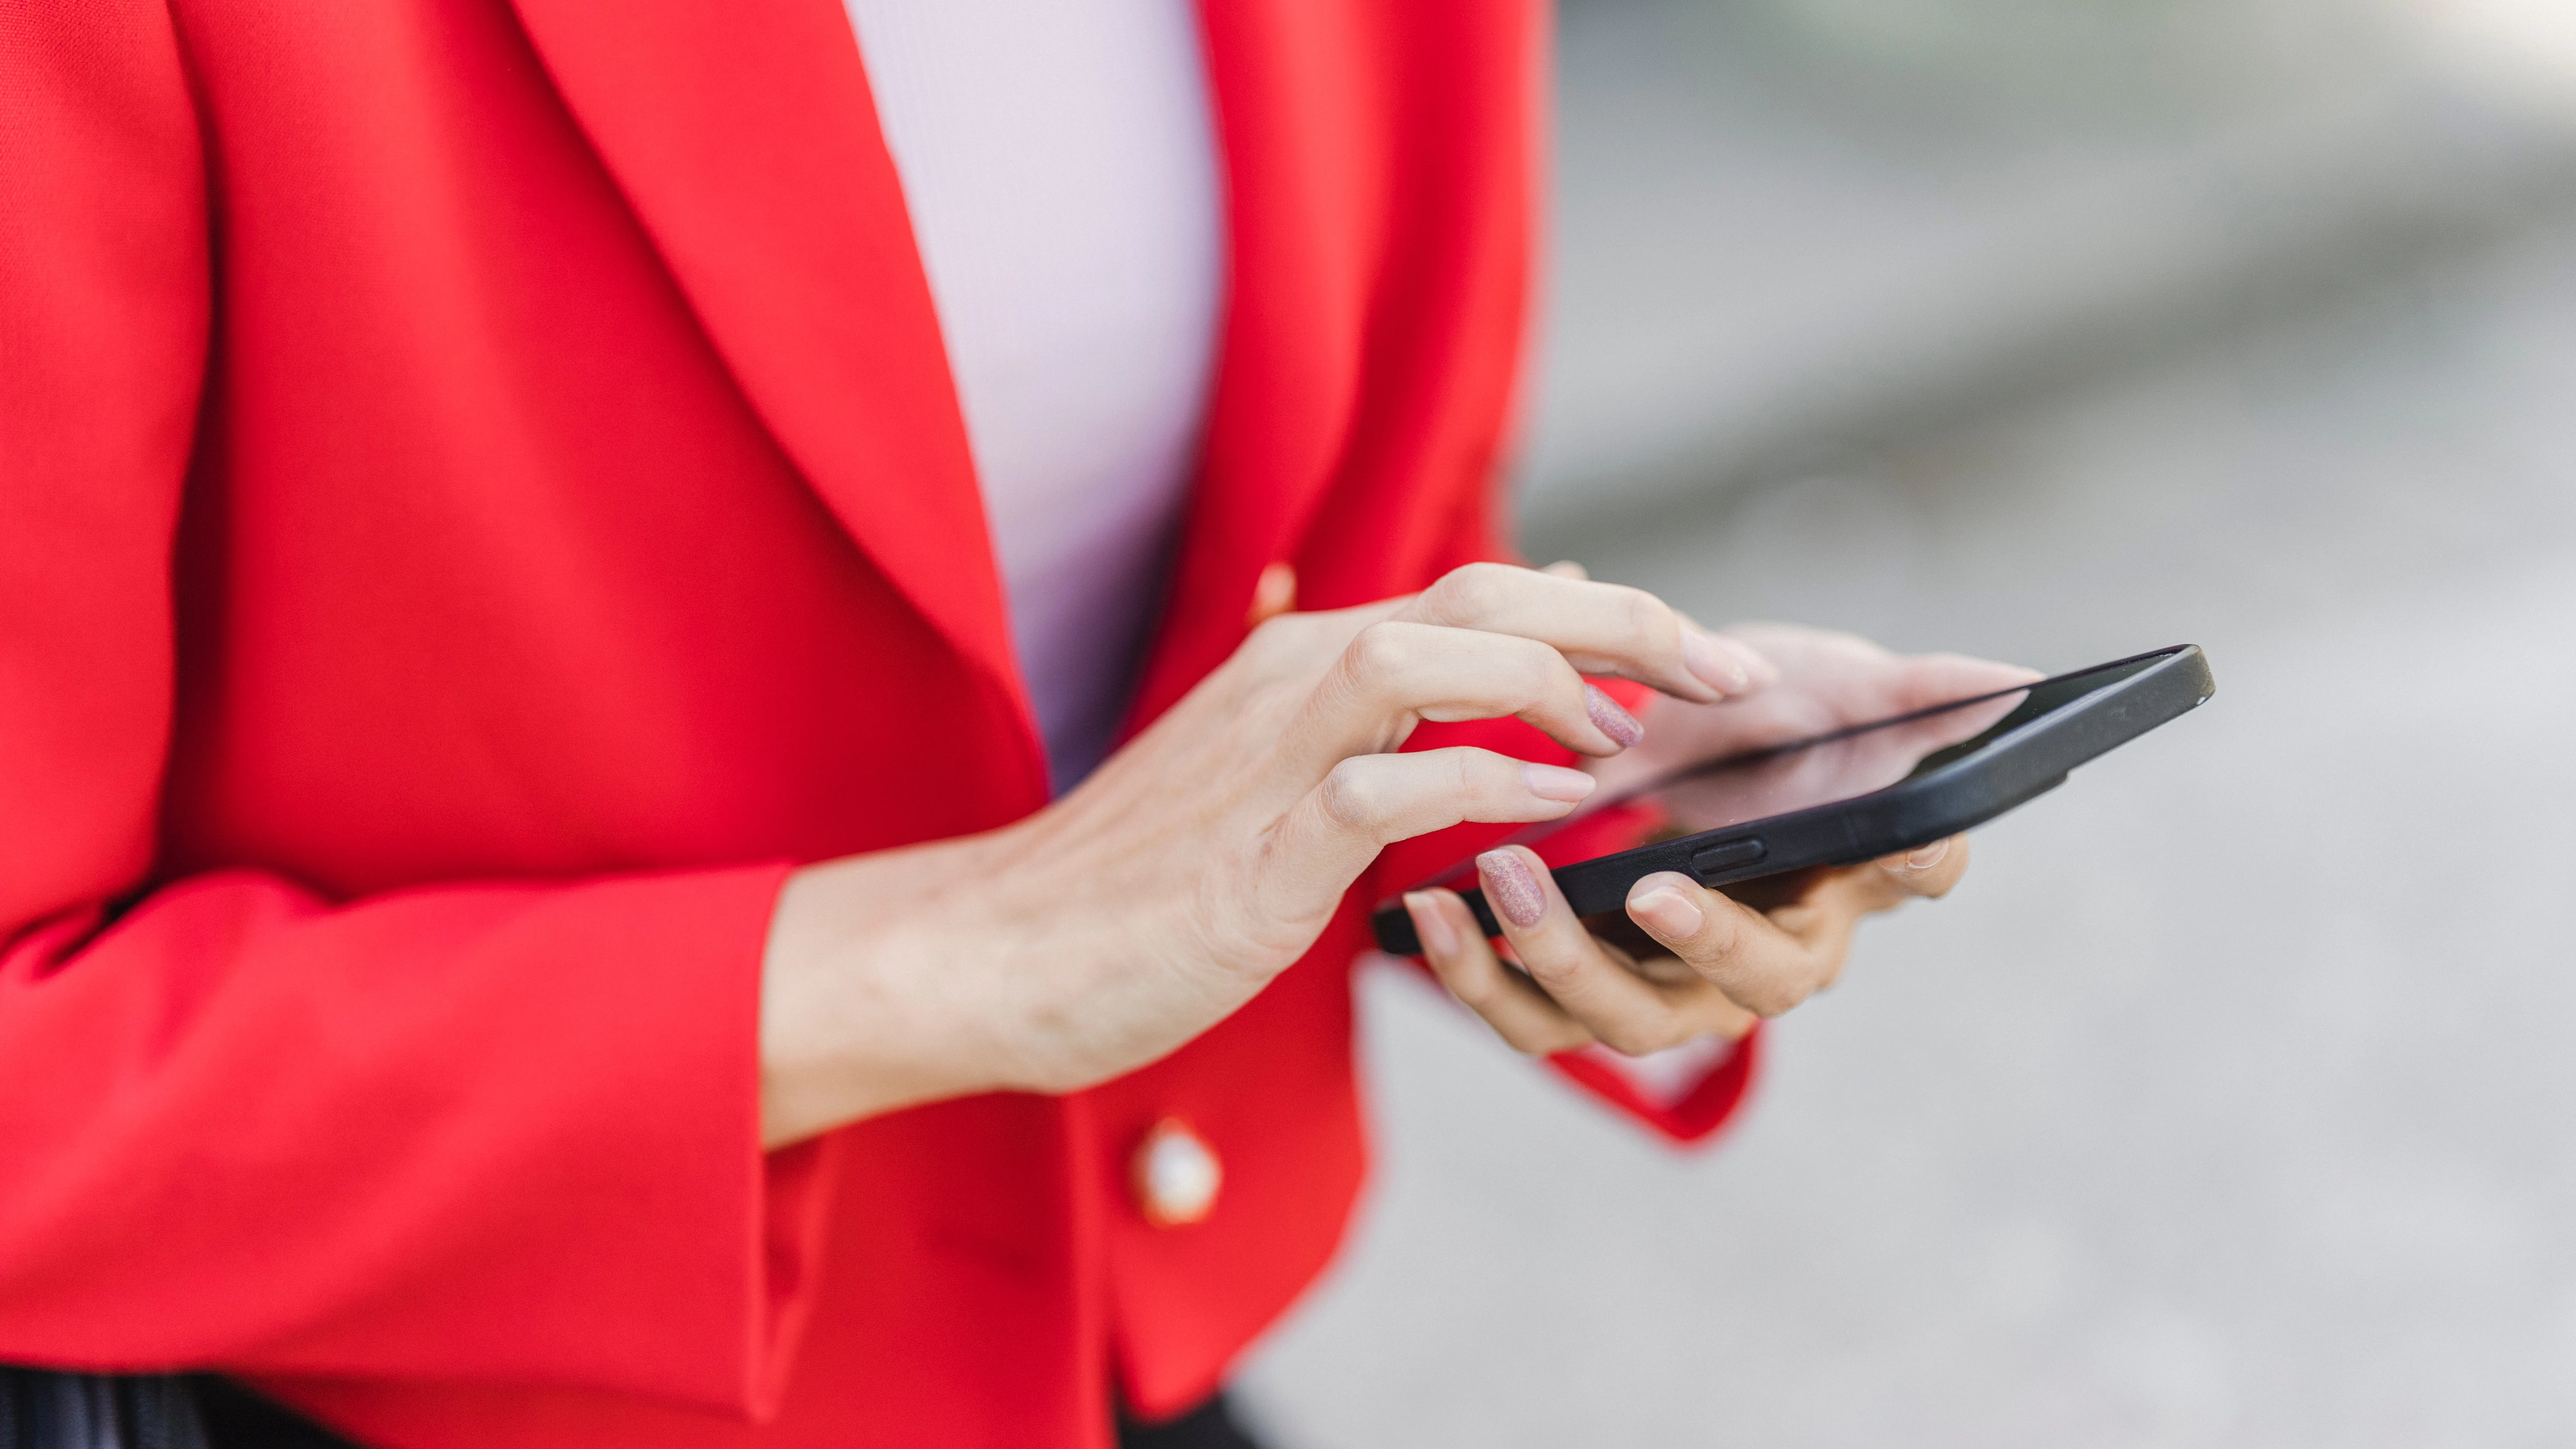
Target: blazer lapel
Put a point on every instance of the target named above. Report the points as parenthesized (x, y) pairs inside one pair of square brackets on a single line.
[(1305, 217), (747, 142)]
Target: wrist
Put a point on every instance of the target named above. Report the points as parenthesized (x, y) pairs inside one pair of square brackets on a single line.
[(871, 994)]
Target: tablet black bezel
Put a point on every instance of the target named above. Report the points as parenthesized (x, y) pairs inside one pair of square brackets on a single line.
[(1940, 799)]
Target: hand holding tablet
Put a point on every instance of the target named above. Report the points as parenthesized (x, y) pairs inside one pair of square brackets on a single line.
[(1781, 803)]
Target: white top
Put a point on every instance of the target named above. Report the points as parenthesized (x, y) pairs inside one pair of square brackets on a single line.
[(1059, 161)]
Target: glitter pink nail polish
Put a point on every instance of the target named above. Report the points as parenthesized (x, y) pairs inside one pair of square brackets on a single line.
[(1509, 886), (1617, 723)]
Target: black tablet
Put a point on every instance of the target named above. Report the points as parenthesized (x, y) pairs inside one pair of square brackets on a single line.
[(1845, 797)]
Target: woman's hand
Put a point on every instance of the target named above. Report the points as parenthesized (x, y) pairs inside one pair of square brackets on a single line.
[(1692, 962), (1203, 859)]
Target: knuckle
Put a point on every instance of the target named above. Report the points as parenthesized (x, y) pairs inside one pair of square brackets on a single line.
[(1490, 779), (1720, 936), (1381, 651), (1472, 989), (1542, 674), (1549, 970), (1648, 617), (1776, 998), (1470, 591), (1715, 1015), (1471, 776), (1523, 675), (1352, 797)]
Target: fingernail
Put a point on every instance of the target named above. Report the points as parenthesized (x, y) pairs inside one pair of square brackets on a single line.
[(1927, 857), (1431, 923), (1511, 888), (1712, 663), (1555, 782), (1756, 663), (1617, 723), (1668, 913)]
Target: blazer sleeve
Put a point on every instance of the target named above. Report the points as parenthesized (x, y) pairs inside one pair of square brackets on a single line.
[(480, 1131)]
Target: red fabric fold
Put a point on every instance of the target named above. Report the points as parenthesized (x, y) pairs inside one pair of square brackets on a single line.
[(251, 1129)]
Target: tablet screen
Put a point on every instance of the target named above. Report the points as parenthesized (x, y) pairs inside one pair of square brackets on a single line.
[(1800, 774)]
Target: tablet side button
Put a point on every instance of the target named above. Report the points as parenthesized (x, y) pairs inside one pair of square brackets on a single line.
[(1727, 855)]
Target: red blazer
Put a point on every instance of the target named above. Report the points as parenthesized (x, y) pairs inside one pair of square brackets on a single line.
[(483, 497)]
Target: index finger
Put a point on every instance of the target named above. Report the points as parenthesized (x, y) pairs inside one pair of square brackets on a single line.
[(1599, 628)]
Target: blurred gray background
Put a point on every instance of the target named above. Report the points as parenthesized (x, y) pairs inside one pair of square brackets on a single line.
[(2232, 1100)]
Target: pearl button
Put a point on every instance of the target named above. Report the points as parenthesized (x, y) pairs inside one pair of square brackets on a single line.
[(1175, 1176)]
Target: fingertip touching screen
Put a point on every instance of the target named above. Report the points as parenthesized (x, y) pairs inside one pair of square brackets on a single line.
[(1803, 771)]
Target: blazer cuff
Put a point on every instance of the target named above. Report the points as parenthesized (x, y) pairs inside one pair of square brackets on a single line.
[(1685, 1101)]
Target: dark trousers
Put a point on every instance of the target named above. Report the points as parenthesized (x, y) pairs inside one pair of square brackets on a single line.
[(40, 1410), (1209, 1426), (236, 1418)]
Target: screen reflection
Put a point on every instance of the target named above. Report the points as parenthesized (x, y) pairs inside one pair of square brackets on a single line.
[(1772, 781), (1800, 774)]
